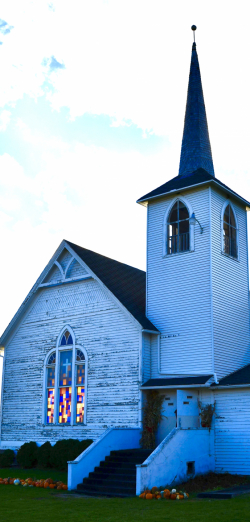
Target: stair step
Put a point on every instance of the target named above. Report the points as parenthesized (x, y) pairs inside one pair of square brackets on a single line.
[(95, 493), (113, 471), (108, 491), (118, 465), (111, 482), (123, 459)]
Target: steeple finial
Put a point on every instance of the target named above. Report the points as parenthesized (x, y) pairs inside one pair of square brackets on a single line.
[(196, 150)]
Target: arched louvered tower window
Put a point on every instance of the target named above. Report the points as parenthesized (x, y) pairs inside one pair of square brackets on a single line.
[(178, 229), (230, 232)]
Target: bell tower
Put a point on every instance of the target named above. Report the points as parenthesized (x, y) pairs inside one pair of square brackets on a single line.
[(197, 259)]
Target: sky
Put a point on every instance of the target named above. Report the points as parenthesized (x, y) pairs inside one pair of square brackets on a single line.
[(92, 103)]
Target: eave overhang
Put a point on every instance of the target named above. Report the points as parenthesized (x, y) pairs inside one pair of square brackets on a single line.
[(144, 201)]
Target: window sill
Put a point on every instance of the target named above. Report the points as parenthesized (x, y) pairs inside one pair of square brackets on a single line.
[(230, 257), (64, 425)]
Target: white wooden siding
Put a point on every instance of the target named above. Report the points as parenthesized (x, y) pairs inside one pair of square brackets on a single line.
[(76, 270), (230, 294), (178, 292), (112, 343), (146, 355), (232, 431)]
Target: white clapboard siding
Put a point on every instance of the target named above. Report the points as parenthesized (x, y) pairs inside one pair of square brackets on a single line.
[(178, 292), (54, 275), (64, 259), (230, 294), (76, 270), (146, 356), (112, 342), (232, 429)]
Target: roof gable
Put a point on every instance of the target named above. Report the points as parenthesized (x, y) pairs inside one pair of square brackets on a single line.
[(126, 283)]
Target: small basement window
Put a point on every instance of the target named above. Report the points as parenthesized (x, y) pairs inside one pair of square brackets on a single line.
[(190, 468)]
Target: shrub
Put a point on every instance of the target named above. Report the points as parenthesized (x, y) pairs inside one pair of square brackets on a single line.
[(65, 450), (27, 455), (43, 455), (6, 458)]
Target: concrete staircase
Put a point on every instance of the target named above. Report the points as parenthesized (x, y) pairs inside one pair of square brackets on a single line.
[(115, 476)]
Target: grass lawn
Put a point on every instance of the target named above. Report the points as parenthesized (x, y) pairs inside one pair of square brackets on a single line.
[(19, 504)]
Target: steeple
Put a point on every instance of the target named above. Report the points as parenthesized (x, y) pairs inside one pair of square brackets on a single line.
[(195, 150)]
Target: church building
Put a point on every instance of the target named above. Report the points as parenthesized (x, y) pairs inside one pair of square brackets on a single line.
[(94, 335)]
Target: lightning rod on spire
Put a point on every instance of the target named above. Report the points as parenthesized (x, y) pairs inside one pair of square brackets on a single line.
[(194, 29)]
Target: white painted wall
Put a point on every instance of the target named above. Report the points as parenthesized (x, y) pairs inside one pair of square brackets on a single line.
[(112, 343), (178, 292), (232, 431), (230, 287), (167, 465), (112, 439)]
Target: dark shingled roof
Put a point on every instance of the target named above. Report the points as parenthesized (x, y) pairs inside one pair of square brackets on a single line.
[(178, 381), (238, 377), (128, 284), (195, 150), (179, 182)]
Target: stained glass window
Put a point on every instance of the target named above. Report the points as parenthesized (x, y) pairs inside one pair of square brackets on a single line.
[(65, 378), (66, 339), (50, 405), (52, 358), (80, 355), (51, 388), (65, 405), (80, 386), (65, 384)]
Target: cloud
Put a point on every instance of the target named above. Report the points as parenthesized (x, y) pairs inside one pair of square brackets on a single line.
[(5, 117), (54, 64), (5, 28)]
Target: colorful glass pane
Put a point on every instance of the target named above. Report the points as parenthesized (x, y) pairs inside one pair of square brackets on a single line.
[(79, 355), (80, 373), (65, 378), (80, 404), (52, 358), (51, 377), (66, 339), (50, 406), (65, 405)]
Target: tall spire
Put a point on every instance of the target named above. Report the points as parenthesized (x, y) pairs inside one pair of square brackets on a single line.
[(195, 150)]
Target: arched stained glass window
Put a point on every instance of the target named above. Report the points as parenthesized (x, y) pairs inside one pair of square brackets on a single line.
[(66, 339), (50, 387), (178, 229), (229, 232), (65, 383)]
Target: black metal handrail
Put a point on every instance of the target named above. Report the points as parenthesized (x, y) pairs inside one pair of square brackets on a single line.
[(178, 243)]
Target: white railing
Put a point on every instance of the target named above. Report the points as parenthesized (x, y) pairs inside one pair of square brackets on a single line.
[(167, 465), (112, 439)]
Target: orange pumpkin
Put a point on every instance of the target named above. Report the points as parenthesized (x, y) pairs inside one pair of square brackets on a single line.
[(147, 491), (154, 489), (65, 487), (158, 496), (59, 487), (173, 496), (46, 485), (149, 496), (52, 486), (181, 497)]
